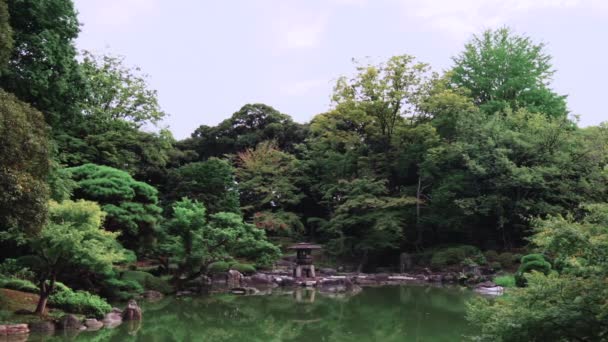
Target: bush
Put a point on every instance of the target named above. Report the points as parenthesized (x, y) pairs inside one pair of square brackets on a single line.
[(506, 259), (491, 255), (243, 268), (507, 280), (121, 290), (11, 268), (19, 285), (218, 267), (80, 302), (147, 281), (457, 255), (529, 263), (495, 266)]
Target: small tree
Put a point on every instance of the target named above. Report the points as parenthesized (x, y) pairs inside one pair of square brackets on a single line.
[(73, 239)]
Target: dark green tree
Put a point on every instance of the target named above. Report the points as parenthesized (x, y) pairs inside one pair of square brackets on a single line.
[(24, 168), (6, 35), (131, 206)]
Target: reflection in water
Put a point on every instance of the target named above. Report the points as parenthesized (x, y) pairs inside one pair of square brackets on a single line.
[(407, 313)]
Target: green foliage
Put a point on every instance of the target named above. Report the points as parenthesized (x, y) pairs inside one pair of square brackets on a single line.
[(80, 302), (491, 255), (194, 242), (6, 35), (218, 267), (12, 268), (529, 263), (24, 167), (8, 282), (569, 305), (504, 70), (457, 255), (507, 260), (211, 182), (121, 289), (43, 70), (131, 206), (507, 280), (246, 269), (146, 281)]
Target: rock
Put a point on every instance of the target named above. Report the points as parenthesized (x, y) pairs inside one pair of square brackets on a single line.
[(152, 295), (234, 279), (486, 284), (335, 285), (260, 279), (327, 271), (113, 318), (435, 278), (381, 277), (405, 262), (92, 324), (69, 322), (132, 312), (14, 329), (245, 291), (42, 327), (183, 293), (449, 278), (491, 291), (287, 281)]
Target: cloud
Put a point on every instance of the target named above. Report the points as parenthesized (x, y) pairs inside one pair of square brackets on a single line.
[(117, 14), (463, 17)]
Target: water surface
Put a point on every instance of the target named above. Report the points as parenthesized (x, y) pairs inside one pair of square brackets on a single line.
[(398, 313)]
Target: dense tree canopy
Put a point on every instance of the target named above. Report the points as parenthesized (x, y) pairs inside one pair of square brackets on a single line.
[(131, 206), (24, 167)]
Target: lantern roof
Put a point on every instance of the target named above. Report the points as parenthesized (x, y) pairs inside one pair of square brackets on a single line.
[(304, 245)]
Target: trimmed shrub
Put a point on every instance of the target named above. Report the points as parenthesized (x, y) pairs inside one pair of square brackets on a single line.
[(529, 263), (80, 302), (495, 266), (19, 285), (218, 267), (507, 280), (121, 290), (506, 259), (243, 268), (457, 255)]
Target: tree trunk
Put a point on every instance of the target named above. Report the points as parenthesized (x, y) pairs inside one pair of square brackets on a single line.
[(419, 237), (44, 297), (363, 262), (45, 292)]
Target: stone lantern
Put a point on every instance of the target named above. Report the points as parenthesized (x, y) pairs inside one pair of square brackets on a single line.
[(304, 267)]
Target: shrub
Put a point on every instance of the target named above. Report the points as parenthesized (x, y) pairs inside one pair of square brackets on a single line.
[(507, 280), (529, 263), (80, 302), (121, 290), (506, 259), (243, 268), (218, 267), (19, 285), (147, 281), (491, 255), (11, 268), (457, 255), (495, 266)]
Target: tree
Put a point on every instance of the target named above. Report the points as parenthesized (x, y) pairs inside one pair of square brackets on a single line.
[(195, 242), (131, 206), (24, 168), (569, 305), (116, 92), (73, 239), (365, 219), (42, 69), (388, 92), (251, 125), (6, 35), (504, 70), (211, 182)]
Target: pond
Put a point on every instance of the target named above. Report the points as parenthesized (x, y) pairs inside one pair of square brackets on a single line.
[(392, 313)]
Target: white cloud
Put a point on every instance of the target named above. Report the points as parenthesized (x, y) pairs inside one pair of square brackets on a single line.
[(463, 17), (301, 31), (117, 14)]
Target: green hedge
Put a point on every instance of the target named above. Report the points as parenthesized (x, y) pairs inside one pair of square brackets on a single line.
[(147, 281), (80, 302), (218, 267), (19, 285), (529, 263), (243, 268), (456, 255)]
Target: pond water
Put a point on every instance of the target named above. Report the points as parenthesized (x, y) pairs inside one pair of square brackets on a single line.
[(395, 313)]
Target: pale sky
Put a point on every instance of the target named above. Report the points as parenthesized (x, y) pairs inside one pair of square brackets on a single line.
[(209, 58)]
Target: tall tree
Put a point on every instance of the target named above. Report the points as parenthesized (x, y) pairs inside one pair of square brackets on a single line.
[(6, 35), (505, 70), (42, 69), (24, 168)]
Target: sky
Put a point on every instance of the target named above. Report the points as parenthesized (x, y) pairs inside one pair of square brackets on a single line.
[(209, 58)]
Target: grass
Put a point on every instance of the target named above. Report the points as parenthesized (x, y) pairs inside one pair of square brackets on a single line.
[(13, 300), (507, 280)]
